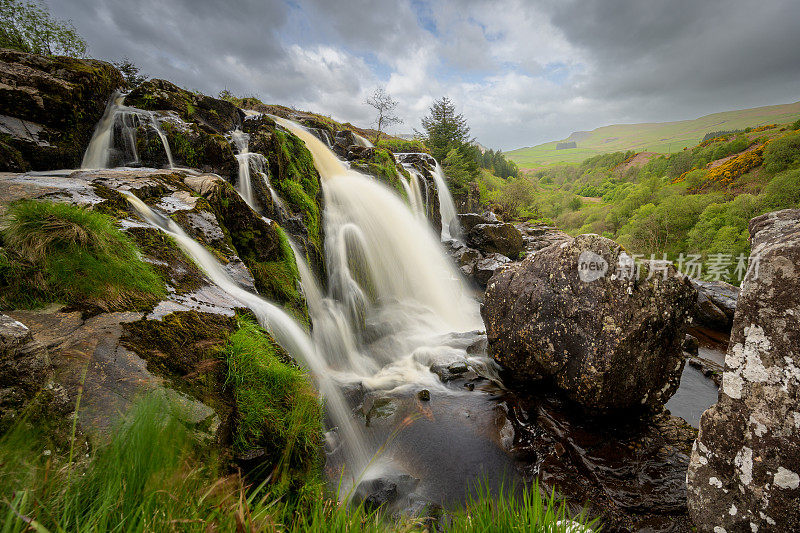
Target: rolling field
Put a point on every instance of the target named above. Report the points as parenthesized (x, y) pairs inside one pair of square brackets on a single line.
[(662, 137)]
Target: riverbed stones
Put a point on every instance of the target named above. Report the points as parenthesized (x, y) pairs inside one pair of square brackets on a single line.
[(744, 473), (606, 340)]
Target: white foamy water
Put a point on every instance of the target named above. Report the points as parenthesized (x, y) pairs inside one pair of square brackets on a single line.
[(101, 151)]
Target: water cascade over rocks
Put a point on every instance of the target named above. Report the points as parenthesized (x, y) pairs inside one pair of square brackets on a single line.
[(447, 208), (118, 117), (249, 163), (286, 330)]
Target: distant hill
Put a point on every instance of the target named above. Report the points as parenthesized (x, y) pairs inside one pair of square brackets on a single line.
[(661, 137)]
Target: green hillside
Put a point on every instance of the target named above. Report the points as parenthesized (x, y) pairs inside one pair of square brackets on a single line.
[(662, 137)]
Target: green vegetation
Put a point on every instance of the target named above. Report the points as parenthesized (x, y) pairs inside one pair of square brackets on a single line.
[(695, 202), (448, 139), (277, 410), (399, 146), (152, 474), (59, 252), (27, 26), (666, 137)]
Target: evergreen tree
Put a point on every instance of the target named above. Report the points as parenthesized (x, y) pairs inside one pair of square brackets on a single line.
[(445, 129)]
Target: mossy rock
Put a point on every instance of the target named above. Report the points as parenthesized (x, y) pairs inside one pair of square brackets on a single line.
[(212, 114), (263, 247), (61, 98), (381, 164)]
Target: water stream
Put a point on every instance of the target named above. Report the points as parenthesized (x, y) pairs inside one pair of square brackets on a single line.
[(101, 152)]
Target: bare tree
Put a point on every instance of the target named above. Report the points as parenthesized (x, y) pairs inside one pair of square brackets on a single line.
[(385, 105)]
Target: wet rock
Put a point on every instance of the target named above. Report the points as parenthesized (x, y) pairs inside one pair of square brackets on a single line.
[(384, 491), (690, 344), (606, 341), (24, 367), (466, 259), (627, 472), (424, 395), (486, 267), (50, 106), (467, 221), (716, 304), (212, 114), (502, 238), (538, 236), (744, 473)]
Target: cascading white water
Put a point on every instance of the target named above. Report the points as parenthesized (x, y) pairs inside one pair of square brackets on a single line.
[(100, 152), (362, 141), (450, 226), (250, 162), (241, 141), (447, 208), (402, 260), (286, 331)]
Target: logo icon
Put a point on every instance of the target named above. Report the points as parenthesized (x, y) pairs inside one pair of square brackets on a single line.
[(591, 266)]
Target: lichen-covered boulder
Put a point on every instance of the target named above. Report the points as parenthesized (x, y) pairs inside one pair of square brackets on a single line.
[(502, 238), (608, 341), (744, 473), (49, 107)]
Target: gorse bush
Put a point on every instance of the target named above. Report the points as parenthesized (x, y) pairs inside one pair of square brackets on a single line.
[(59, 252), (782, 153)]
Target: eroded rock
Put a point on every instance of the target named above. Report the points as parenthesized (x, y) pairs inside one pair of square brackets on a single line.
[(744, 473)]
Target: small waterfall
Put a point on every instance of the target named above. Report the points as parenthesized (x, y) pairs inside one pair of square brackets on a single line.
[(100, 152), (450, 226), (447, 208), (362, 141), (250, 162), (378, 250), (287, 332), (418, 204)]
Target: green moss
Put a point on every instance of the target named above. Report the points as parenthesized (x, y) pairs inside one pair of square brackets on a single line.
[(184, 347), (381, 165), (278, 410), (60, 252)]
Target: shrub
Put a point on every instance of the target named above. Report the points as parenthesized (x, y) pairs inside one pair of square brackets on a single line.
[(28, 27), (59, 252), (782, 153)]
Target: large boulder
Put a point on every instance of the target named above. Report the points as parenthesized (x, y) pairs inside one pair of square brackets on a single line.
[(50, 106), (502, 238), (744, 473), (212, 114), (607, 339)]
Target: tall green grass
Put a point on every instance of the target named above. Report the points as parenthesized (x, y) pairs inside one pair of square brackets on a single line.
[(277, 409), (59, 252)]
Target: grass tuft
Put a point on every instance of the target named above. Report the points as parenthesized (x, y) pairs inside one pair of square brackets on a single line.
[(278, 410), (60, 252)]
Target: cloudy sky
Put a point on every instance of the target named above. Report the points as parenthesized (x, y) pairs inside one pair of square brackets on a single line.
[(522, 72)]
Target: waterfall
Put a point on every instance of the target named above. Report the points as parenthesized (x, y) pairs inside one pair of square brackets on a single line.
[(450, 226), (378, 251), (289, 334), (447, 208), (362, 141), (100, 152), (250, 162)]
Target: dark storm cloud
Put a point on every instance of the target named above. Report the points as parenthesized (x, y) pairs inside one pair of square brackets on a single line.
[(685, 50), (523, 72)]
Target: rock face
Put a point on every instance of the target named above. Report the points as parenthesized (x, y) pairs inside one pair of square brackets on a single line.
[(50, 106), (744, 473), (501, 238), (24, 367), (716, 304), (608, 342)]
